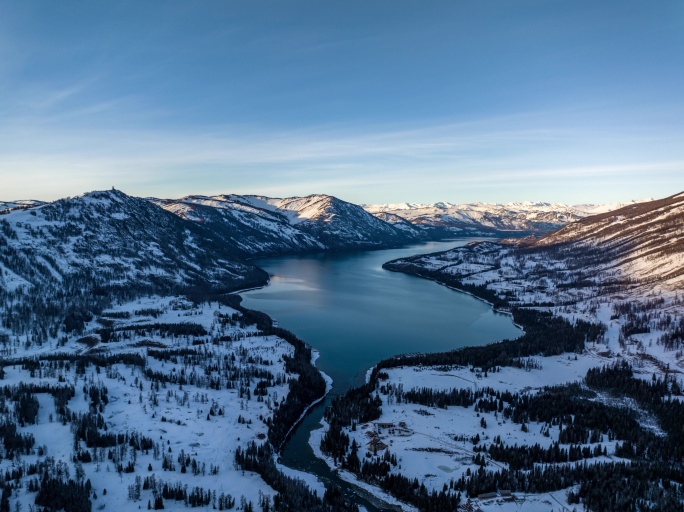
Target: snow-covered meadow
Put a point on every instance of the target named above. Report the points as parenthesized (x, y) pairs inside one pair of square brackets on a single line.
[(435, 445), (184, 412)]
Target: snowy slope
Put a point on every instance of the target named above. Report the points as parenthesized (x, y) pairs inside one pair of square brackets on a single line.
[(180, 399), (251, 228), (337, 222), (64, 260), (642, 242)]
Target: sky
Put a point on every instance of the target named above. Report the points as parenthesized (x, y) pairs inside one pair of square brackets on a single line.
[(576, 101)]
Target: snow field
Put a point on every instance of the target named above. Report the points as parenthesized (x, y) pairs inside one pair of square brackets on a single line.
[(439, 447), (202, 422)]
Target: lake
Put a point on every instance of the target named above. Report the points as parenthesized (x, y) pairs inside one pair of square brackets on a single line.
[(355, 314)]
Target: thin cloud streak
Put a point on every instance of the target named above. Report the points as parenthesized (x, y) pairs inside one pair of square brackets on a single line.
[(471, 154), (314, 144)]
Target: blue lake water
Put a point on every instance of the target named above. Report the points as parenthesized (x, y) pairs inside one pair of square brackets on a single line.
[(356, 314)]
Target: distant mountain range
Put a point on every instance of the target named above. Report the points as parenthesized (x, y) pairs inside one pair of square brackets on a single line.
[(489, 218), (7, 206), (257, 225)]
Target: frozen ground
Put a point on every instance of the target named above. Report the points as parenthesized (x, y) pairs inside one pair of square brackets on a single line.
[(173, 401), (435, 445)]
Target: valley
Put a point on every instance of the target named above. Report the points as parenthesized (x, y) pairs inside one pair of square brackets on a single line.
[(341, 256), (120, 329), (615, 277)]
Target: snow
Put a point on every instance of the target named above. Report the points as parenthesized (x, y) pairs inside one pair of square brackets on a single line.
[(177, 417), (11, 281), (430, 451), (311, 481), (527, 215), (315, 443), (555, 370), (294, 209), (300, 209)]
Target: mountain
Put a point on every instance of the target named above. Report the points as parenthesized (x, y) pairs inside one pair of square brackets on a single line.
[(261, 226), (251, 229), (641, 242), (490, 218), (634, 253), (61, 261)]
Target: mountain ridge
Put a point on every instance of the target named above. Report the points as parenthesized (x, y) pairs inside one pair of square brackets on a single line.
[(74, 256), (642, 241), (524, 217), (295, 224)]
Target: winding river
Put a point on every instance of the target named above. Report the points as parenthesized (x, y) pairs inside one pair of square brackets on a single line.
[(355, 314)]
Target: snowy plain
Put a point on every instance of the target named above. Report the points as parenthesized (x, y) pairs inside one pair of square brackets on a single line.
[(194, 419)]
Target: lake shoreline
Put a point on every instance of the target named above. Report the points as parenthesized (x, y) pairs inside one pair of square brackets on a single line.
[(363, 267)]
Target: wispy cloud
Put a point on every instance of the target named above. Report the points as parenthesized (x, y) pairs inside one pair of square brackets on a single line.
[(230, 98), (53, 158)]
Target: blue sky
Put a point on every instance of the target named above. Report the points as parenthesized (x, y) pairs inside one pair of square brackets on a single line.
[(489, 100)]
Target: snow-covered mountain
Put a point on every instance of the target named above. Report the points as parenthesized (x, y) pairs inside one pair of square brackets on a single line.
[(258, 225), (62, 261), (641, 242), (631, 253), (530, 217)]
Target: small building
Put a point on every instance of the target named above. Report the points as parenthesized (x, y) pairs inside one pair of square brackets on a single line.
[(467, 507), (403, 432), (376, 445), (384, 425), (507, 495), (487, 496)]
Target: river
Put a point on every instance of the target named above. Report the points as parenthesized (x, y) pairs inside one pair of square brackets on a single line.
[(356, 314)]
